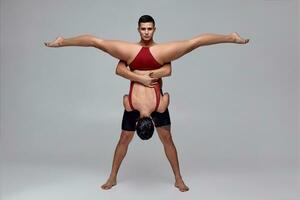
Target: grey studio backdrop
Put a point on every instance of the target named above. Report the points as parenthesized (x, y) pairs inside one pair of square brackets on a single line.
[(231, 105)]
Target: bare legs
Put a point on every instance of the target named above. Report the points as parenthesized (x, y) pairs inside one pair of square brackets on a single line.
[(120, 152), (119, 49), (164, 53), (167, 52), (165, 137), (170, 151)]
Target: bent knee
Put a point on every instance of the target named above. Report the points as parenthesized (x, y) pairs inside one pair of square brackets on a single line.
[(166, 96), (125, 97)]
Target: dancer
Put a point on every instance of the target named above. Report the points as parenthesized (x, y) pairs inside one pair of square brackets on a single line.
[(146, 100), (162, 53)]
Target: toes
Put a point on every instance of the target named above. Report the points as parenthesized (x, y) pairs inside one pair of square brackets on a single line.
[(105, 187)]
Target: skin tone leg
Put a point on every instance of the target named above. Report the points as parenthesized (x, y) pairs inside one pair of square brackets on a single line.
[(120, 153), (167, 52), (170, 151), (164, 53), (164, 102), (165, 137), (119, 49)]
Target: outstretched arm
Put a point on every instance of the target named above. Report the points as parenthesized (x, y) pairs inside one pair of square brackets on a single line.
[(148, 80)]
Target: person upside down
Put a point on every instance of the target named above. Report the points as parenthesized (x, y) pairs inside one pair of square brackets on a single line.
[(145, 100), (163, 53)]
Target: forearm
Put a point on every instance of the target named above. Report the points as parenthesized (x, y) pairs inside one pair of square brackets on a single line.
[(126, 73), (164, 71), (159, 73)]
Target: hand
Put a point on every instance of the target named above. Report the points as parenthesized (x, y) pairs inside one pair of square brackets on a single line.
[(151, 74), (148, 81)]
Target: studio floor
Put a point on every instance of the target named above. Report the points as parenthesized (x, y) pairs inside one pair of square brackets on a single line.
[(28, 180)]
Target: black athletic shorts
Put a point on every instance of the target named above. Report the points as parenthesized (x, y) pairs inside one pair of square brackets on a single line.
[(130, 118)]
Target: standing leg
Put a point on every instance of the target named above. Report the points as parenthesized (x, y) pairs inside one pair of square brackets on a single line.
[(166, 52), (164, 134), (120, 152), (119, 49)]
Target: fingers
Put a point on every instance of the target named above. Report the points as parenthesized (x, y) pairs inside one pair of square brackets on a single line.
[(153, 84)]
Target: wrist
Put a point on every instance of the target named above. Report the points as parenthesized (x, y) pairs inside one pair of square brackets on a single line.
[(139, 78)]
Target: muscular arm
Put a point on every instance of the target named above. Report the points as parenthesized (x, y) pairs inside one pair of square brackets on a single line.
[(164, 71), (146, 80)]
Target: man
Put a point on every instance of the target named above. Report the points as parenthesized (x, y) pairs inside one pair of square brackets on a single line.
[(162, 53)]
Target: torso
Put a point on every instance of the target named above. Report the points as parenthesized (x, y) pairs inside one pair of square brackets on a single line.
[(142, 97)]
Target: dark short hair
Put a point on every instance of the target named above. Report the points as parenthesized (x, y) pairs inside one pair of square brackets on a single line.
[(146, 18), (145, 128)]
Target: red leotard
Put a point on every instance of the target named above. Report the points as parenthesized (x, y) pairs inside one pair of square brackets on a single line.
[(145, 61)]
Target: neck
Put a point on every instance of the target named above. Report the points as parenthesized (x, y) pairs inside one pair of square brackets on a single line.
[(147, 43)]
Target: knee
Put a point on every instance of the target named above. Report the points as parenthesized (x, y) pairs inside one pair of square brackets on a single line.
[(125, 138), (166, 138), (167, 97)]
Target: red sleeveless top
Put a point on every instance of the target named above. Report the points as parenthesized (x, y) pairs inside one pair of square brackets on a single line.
[(144, 60)]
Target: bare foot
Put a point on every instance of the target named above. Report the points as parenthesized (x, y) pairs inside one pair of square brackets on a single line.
[(109, 184), (56, 43), (238, 39), (181, 185)]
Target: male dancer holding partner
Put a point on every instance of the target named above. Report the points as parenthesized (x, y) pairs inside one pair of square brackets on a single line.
[(163, 53)]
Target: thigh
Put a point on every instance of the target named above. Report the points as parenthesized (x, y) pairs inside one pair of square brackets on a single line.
[(161, 119), (126, 103), (129, 120), (167, 52), (164, 102), (121, 50)]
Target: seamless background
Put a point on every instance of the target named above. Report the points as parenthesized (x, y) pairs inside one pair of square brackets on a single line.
[(234, 108)]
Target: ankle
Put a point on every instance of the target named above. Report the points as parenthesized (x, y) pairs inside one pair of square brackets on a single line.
[(113, 177), (178, 178), (231, 37)]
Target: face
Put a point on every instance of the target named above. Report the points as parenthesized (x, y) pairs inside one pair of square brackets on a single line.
[(146, 31)]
